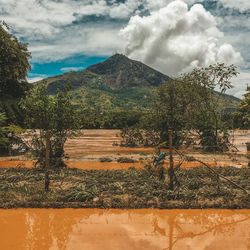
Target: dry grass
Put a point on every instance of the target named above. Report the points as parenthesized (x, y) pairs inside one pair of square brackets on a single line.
[(133, 188)]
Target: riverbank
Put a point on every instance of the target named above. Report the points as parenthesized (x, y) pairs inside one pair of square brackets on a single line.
[(127, 189)]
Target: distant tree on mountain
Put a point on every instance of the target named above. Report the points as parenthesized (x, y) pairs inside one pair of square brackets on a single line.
[(14, 63)]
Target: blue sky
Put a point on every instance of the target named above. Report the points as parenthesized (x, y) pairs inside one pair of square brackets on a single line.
[(74, 63), (172, 36)]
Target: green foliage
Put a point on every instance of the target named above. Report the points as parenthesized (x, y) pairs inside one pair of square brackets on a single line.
[(172, 109), (242, 115), (102, 98), (115, 119), (53, 116), (132, 136), (14, 63), (13, 71), (185, 104), (4, 140), (208, 106), (169, 111)]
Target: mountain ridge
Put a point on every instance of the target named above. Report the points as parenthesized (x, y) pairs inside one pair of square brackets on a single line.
[(117, 72), (116, 83)]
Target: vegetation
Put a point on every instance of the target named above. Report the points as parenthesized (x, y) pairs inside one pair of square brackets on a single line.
[(13, 63), (116, 93), (133, 188), (242, 115), (117, 72), (213, 132), (52, 120), (189, 103), (14, 66), (4, 140)]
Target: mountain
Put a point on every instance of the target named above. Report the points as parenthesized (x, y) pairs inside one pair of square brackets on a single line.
[(118, 83), (117, 72)]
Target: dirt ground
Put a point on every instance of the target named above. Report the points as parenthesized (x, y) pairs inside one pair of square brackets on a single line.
[(87, 150)]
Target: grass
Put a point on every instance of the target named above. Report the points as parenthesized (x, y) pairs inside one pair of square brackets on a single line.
[(133, 188)]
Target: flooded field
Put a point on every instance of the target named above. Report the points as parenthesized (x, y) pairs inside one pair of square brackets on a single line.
[(86, 151), (92, 165), (93, 229)]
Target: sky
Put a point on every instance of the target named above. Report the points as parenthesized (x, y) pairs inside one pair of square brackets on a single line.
[(172, 36)]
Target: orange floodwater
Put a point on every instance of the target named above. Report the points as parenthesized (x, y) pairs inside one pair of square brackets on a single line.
[(145, 229), (91, 165)]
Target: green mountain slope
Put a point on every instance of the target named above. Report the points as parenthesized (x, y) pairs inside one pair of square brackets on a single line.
[(118, 83), (117, 72)]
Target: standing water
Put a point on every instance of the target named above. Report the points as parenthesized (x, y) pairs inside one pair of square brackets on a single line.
[(92, 229)]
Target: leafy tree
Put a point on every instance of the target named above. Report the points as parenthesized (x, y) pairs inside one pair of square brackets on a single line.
[(10, 142), (14, 63), (242, 115), (190, 103), (52, 120), (173, 113), (4, 140), (211, 83)]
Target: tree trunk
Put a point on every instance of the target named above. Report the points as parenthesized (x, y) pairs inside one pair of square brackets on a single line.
[(171, 163), (170, 137), (47, 159)]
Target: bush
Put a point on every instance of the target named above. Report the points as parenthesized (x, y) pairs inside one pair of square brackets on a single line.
[(125, 160), (105, 159)]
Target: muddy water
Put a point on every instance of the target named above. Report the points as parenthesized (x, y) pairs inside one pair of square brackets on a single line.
[(93, 229), (92, 165)]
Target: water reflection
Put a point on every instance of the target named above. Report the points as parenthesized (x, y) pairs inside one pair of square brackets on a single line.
[(124, 229)]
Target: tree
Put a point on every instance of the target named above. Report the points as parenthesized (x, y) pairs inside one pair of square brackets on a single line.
[(52, 120), (242, 115), (4, 141), (190, 103), (211, 83), (14, 63)]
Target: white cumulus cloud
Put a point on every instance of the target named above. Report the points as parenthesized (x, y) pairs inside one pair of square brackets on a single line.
[(175, 39)]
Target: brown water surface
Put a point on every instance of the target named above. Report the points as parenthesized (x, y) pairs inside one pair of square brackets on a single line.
[(92, 165), (145, 229)]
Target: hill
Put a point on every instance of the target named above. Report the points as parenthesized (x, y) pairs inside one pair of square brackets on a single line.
[(118, 83), (117, 72)]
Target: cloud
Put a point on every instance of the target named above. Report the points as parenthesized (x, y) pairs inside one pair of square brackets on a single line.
[(56, 30), (153, 5), (47, 18), (66, 69), (175, 39), (78, 40), (35, 79), (240, 84), (241, 5)]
